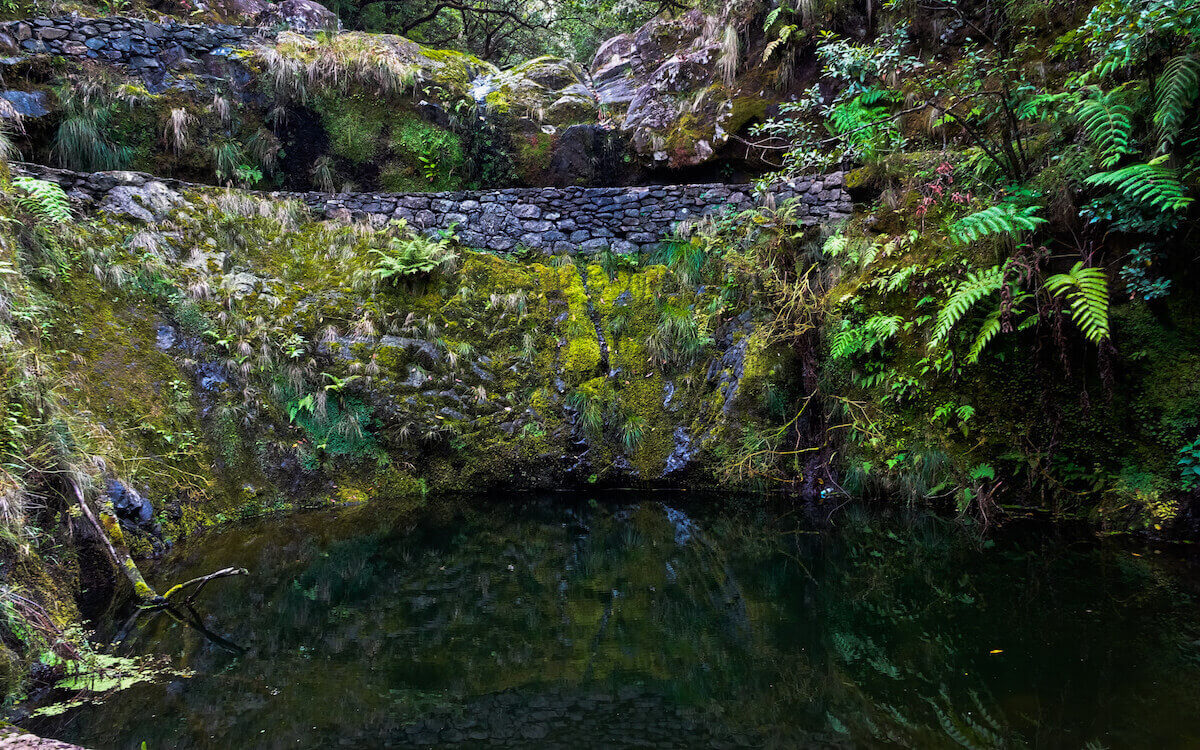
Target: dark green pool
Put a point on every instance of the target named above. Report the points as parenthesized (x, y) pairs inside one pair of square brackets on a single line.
[(558, 622)]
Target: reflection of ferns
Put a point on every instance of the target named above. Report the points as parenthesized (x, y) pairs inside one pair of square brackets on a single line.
[(1152, 184), (1088, 295), (1176, 91), (1004, 218)]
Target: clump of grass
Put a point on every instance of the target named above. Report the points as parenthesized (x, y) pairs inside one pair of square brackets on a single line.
[(81, 141), (632, 432), (175, 134), (298, 67), (686, 256), (591, 413), (678, 338)]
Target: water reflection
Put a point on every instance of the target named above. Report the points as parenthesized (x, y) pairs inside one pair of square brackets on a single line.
[(563, 624)]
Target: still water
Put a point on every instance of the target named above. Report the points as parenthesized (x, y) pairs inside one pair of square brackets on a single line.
[(558, 621)]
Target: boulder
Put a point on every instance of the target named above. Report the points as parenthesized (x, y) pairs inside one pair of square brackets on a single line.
[(299, 15), (545, 90), (24, 103), (240, 11), (149, 202), (128, 503), (661, 85)]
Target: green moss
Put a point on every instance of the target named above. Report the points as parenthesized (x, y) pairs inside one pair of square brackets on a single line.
[(355, 126), (534, 151), (426, 154)]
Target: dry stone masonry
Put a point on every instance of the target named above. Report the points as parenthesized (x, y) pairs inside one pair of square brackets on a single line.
[(132, 42), (553, 220)]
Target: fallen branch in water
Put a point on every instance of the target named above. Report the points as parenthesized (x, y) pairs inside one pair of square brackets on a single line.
[(200, 583)]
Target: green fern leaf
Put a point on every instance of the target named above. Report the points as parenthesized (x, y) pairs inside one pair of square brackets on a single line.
[(1176, 91), (1087, 290), (846, 342), (987, 332), (1110, 126), (772, 17), (784, 34), (1152, 184), (1004, 218), (45, 200), (970, 290)]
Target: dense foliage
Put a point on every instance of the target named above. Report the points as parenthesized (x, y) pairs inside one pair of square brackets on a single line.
[(1037, 165)]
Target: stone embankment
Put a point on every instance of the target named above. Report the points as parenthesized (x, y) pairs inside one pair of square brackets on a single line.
[(554, 220), (133, 42)]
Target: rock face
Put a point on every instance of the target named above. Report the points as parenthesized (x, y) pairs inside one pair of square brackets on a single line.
[(128, 503), (546, 90), (148, 202), (25, 103), (660, 88), (662, 84), (299, 15), (551, 220), (13, 738)]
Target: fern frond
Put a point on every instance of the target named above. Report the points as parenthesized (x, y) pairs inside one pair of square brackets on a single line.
[(45, 200), (1152, 184), (1004, 218), (845, 342), (880, 329), (1110, 127), (1087, 290), (771, 18), (987, 332), (784, 34), (1176, 91), (970, 290)]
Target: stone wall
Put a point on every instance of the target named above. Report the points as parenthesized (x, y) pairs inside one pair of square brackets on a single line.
[(554, 220), (133, 42)]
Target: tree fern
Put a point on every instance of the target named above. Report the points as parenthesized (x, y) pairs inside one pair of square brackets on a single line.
[(45, 200), (1153, 184), (970, 290), (1110, 127), (1176, 92), (1004, 218), (1087, 290)]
